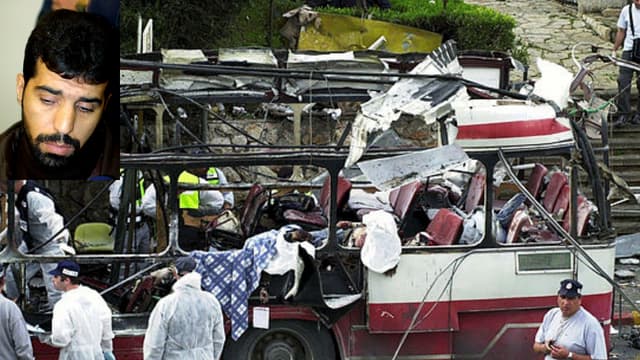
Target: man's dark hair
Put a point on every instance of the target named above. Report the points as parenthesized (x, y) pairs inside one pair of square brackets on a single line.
[(73, 280), (74, 45)]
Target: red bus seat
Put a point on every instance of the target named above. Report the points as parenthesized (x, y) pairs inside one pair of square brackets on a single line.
[(562, 202), (403, 198), (475, 192), (583, 212), (519, 221), (536, 178), (546, 234), (318, 219), (445, 228), (253, 206), (343, 188), (558, 180)]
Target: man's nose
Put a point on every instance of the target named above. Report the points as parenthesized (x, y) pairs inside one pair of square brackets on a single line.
[(64, 119)]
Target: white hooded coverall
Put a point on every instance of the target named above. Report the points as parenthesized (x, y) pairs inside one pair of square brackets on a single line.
[(186, 324), (81, 325)]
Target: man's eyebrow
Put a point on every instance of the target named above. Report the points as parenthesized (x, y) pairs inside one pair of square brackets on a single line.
[(52, 91), (90, 100), (49, 90)]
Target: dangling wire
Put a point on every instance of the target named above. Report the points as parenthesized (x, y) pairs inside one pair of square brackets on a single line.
[(455, 264), (179, 123), (310, 113)]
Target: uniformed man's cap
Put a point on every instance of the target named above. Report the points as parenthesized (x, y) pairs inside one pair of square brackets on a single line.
[(67, 268), (570, 288)]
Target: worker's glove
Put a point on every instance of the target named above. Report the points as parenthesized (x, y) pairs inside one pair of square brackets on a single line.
[(68, 250), (108, 355), (614, 53), (44, 338)]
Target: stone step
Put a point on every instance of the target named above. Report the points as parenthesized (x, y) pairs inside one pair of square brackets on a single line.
[(622, 144), (624, 155), (625, 227), (628, 214), (630, 174), (624, 218), (626, 130), (625, 160)]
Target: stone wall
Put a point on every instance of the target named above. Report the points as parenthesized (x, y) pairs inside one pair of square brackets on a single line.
[(272, 130), (593, 6), (253, 125)]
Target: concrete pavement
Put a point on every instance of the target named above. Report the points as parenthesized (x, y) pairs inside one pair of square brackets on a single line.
[(550, 30)]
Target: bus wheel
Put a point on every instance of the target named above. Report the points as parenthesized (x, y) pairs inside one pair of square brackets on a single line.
[(284, 340)]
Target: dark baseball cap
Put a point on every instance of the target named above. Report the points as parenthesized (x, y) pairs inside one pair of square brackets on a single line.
[(570, 288), (67, 268)]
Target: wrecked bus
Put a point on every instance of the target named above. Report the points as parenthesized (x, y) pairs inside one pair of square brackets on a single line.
[(470, 280), (483, 234)]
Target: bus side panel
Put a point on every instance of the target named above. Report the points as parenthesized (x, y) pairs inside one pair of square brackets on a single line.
[(499, 331), (43, 351), (125, 347)]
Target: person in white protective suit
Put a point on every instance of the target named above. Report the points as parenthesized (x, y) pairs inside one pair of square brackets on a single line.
[(81, 323), (15, 342), (42, 232), (186, 324)]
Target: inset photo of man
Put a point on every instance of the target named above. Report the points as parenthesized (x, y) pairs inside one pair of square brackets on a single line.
[(67, 92)]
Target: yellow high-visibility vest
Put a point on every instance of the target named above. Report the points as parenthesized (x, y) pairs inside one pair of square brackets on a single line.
[(188, 199), (140, 185)]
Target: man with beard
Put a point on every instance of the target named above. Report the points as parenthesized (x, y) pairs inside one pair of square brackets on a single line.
[(69, 68)]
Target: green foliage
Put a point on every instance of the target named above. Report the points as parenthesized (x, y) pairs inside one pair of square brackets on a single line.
[(520, 52), (471, 26), (178, 24), (204, 24), (250, 25), (210, 24)]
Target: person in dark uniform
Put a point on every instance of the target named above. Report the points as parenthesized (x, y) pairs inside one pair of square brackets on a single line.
[(628, 31), (569, 331)]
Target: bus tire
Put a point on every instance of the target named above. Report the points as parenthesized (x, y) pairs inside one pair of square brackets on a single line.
[(284, 340)]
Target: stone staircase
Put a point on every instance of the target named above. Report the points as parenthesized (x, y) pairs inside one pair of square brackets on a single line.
[(624, 145)]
